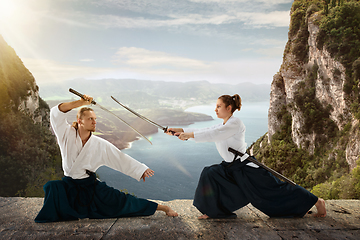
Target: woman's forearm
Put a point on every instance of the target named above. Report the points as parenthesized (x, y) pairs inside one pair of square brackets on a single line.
[(185, 136)]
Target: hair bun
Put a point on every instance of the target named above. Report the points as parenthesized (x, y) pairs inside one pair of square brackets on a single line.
[(234, 101), (237, 100)]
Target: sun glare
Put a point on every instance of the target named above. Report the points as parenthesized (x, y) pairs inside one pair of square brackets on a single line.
[(7, 9)]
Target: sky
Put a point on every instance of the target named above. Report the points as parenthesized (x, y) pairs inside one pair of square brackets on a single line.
[(220, 41)]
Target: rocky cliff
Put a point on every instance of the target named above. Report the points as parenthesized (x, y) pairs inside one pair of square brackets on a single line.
[(18, 86), (27, 146), (313, 120), (305, 60)]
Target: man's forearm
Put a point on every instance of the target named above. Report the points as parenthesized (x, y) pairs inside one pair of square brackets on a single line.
[(65, 107)]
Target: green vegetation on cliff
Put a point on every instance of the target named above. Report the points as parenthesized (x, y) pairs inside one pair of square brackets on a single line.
[(340, 35), (316, 117), (29, 155), (323, 169)]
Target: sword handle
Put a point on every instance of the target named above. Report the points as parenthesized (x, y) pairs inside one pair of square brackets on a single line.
[(80, 95), (172, 132), (235, 152)]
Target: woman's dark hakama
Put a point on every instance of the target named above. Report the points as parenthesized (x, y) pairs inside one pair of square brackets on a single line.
[(226, 187), (72, 199)]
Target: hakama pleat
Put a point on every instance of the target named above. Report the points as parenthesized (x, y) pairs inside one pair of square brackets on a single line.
[(226, 187), (71, 199)]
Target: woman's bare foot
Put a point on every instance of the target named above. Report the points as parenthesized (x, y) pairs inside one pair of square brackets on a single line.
[(320, 206), (203, 217), (167, 210)]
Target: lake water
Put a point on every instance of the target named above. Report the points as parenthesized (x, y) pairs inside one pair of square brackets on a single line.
[(178, 164)]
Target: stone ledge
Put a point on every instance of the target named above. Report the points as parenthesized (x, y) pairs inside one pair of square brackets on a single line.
[(341, 222)]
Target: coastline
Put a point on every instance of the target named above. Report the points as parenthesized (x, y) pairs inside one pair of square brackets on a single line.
[(125, 139), (178, 164), (252, 114)]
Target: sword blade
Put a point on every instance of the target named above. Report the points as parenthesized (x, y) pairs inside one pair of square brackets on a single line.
[(253, 160), (123, 122), (105, 109), (140, 116)]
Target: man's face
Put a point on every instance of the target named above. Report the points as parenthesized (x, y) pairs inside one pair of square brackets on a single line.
[(88, 121)]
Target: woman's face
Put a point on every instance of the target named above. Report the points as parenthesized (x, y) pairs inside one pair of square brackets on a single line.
[(222, 111)]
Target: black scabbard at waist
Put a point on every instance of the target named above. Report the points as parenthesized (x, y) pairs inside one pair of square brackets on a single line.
[(90, 173), (236, 164)]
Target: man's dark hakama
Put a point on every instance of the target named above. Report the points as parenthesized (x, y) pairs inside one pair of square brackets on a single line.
[(226, 187), (72, 199)]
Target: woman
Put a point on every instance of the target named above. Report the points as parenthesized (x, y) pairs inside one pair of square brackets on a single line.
[(223, 188)]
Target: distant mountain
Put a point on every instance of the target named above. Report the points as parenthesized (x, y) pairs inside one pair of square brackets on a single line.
[(149, 94)]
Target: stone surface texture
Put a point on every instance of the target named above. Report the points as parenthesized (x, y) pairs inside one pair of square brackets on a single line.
[(342, 222)]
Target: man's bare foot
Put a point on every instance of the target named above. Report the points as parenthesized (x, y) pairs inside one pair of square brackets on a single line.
[(169, 212), (203, 217), (320, 206)]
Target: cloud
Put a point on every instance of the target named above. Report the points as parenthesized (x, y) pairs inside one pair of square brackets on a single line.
[(243, 70), (143, 64), (150, 61), (66, 20), (272, 2), (163, 66), (87, 60), (48, 71), (235, 23), (272, 19), (270, 52), (168, 13), (163, 7)]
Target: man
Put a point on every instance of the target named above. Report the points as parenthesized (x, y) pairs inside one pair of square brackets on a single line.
[(79, 194)]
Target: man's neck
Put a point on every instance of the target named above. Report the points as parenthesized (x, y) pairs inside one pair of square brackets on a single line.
[(84, 135)]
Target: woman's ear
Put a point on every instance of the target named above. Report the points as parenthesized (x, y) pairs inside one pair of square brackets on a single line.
[(228, 108)]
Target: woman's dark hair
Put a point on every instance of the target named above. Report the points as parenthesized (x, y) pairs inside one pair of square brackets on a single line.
[(233, 101)]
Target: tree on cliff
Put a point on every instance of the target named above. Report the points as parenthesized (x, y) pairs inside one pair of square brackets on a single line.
[(29, 156)]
